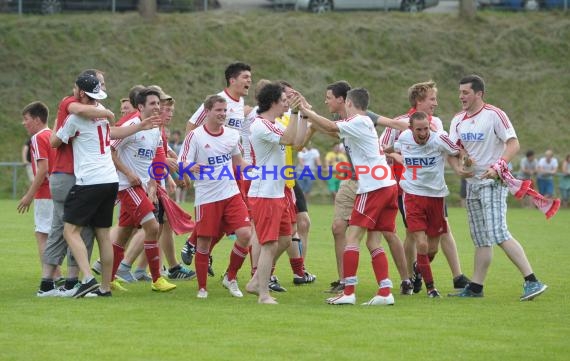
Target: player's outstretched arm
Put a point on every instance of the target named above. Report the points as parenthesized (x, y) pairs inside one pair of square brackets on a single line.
[(88, 111), (393, 123), (147, 123)]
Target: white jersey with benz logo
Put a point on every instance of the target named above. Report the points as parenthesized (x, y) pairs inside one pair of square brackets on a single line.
[(424, 163), (136, 152), (483, 135), (216, 181)]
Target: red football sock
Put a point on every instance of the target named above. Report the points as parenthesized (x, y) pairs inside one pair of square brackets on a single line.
[(425, 269), (153, 257), (350, 266), (297, 266), (380, 267), (118, 255), (202, 259), (236, 261)]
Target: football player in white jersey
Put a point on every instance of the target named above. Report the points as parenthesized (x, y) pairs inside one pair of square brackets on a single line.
[(376, 203), (423, 98), (91, 199), (335, 98), (208, 153), (137, 191), (266, 195), (238, 82), (424, 152), (488, 137)]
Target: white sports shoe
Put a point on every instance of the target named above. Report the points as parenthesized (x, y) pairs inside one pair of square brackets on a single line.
[(63, 292), (232, 286), (380, 301), (54, 292), (342, 299), (202, 293)]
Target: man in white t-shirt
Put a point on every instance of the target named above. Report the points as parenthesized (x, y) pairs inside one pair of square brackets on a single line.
[(488, 137), (266, 195), (91, 200), (424, 189), (133, 157), (375, 207), (310, 158), (545, 170), (209, 153), (423, 98)]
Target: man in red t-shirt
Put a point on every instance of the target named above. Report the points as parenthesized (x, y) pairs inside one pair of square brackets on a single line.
[(35, 117)]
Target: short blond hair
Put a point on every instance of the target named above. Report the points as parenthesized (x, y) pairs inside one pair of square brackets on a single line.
[(419, 91)]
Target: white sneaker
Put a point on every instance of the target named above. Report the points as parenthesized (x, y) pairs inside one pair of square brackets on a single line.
[(54, 292), (232, 286), (63, 292), (342, 299), (380, 301), (202, 293), (96, 267)]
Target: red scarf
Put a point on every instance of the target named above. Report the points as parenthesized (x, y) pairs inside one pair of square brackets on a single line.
[(520, 188), (180, 221)]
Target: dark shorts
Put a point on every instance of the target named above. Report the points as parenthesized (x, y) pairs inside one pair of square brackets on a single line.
[(402, 211), (301, 203), (91, 205), (159, 212)]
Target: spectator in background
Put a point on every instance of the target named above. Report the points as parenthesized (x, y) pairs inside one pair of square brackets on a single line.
[(311, 158), (528, 171), (546, 169), (27, 160), (565, 181), (174, 141), (175, 144), (332, 158)]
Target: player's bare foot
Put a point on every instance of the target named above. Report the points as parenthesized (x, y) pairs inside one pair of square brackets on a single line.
[(252, 287), (267, 300)]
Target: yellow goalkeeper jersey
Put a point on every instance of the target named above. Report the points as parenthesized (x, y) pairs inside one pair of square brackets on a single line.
[(290, 183)]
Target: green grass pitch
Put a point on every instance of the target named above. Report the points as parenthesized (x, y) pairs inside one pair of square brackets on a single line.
[(143, 325)]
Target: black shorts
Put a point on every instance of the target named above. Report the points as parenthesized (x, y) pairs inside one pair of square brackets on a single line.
[(91, 205), (300, 201), (159, 212), (403, 213)]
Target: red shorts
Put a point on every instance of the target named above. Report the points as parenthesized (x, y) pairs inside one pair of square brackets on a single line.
[(271, 218), (376, 210), (243, 185), (226, 216), (425, 214), (135, 205), (290, 199)]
